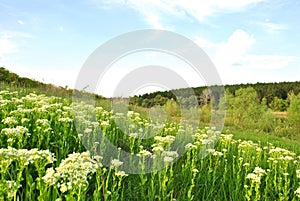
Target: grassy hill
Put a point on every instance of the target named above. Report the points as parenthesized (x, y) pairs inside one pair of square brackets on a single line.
[(277, 126), (12, 81)]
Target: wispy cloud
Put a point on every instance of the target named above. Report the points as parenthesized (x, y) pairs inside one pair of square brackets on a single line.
[(9, 44), (271, 62), (197, 9), (272, 27)]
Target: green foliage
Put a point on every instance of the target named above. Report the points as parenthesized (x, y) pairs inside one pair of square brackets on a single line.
[(244, 108), (293, 112), (278, 104), (172, 108), (245, 111), (205, 113)]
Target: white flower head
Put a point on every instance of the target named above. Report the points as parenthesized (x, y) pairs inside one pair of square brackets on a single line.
[(115, 163), (253, 177), (259, 171), (63, 188), (298, 173), (217, 153), (172, 154), (190, 146), (133, 135), (49, 178), (195, 170), (157, 148), (297, 192), (121, 174), (145, 153), (168, 159)]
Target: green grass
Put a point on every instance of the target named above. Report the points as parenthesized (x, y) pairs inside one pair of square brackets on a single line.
[(265, 138)]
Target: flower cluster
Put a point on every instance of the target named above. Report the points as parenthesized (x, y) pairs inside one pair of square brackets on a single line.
[(24, 157), (73, 172), (257, 174)]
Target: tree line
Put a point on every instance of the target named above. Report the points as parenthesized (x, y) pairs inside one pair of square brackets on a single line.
[(274, 94)]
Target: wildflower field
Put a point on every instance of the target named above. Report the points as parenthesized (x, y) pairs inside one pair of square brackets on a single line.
[(45, 156)]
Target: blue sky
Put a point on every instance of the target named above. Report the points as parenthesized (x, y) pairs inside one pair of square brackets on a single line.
[(248, 40)]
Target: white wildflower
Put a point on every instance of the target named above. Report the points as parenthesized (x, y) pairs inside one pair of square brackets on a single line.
[(145, 153), (190, 146), (11, 121), (259, 171), (104, 123), (115, 163), (195, 170), (168, 159), (253, 177), (49, 178), (88, 130), (217, 153), (133, 135), (121, 174), (210, 150), (63, 188), (298, 173), (288, 158), (297, 192), (172, 154), (157, 148), (65, 120)]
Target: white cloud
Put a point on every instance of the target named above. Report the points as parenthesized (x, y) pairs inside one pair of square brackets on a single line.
[(197, 9), (20, 22), (203, 43), (234, 49), (233, 4), (272, 27), (271, 62), (236, 63), (235, 52), (154, 20), (6, 45)]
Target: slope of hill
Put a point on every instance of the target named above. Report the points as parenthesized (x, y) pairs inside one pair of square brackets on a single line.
[(267, 91), (10, 80)]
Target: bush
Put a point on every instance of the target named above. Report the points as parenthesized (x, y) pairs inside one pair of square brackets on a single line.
[(293, 113), (172, 108)]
